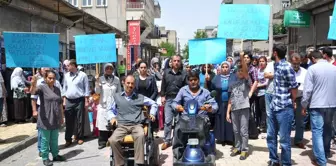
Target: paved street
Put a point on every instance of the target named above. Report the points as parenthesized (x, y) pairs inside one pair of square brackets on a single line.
[(88, 154)]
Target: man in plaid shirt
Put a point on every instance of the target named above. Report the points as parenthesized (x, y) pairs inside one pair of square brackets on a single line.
[(282, 108)]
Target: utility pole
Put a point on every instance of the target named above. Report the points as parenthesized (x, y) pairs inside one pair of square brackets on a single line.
[(270, 35)]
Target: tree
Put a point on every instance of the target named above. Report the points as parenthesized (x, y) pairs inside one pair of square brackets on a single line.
[(279, 29), (170, 48), (200, 35), (185, 51)]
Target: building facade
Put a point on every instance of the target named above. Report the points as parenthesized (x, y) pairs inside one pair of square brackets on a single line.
[(299, 39)]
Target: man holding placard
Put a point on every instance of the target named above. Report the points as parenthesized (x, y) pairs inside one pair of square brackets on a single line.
[(76, 94)]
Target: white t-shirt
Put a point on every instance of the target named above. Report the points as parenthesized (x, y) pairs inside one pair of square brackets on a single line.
[(300, 77)]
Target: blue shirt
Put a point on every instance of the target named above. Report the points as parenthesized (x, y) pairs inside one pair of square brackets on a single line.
[(284, 81), (319, 90), (147, 102), (202, 96), (225, 88), (76, 85)]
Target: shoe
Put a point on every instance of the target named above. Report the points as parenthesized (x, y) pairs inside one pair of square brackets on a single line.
[(271, 163), (80, 142), (40, 154), (243, 155), (67, 144), (300, 145), (101, 146), (235, 152), (47, 162), (314, 162), (165, 146), (59, 158)]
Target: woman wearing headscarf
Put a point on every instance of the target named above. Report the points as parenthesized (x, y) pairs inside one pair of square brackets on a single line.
[(18, 85), (155, 69), (106, 85), (223, 129)]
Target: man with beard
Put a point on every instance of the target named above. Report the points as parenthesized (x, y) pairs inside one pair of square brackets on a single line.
[(173, 80), (192, 91), (282, 107)]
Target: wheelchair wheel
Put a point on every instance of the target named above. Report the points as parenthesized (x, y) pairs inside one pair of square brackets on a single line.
[(154, 160)]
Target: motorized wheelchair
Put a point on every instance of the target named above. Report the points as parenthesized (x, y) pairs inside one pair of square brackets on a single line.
[(152, 154), (196, 140)]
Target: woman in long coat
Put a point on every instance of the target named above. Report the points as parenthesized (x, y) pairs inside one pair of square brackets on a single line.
[(223, 129), (106, 85), (18, 85)]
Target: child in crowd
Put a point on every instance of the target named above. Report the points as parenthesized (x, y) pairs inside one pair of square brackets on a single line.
[(238, 111), (93, 103)]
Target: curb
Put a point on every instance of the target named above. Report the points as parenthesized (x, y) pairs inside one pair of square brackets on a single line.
[(18, 147)]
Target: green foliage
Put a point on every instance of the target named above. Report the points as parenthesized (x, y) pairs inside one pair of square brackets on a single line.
[(279, 29), (185, 52), (200, 35), (170, 48)]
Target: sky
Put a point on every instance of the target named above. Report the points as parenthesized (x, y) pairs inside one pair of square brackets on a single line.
[(186, 16)]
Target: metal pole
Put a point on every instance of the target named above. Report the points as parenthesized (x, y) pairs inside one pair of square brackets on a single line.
[(270, 35)]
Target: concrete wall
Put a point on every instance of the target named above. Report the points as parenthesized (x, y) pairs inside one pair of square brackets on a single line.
[(14, 20), (115, 12)]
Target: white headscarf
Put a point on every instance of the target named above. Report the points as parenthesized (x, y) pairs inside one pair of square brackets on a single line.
[(17, 78)]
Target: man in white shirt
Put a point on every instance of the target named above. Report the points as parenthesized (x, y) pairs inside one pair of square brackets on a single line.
[(300, 125)]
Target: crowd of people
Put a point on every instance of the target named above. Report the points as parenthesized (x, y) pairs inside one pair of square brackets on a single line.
[(254, 95)]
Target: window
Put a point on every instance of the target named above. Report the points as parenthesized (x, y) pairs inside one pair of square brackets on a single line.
[(73, 2), (101, 2), (87, 3)]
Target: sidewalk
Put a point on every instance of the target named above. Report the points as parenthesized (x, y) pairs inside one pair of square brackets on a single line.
[(17, 137)]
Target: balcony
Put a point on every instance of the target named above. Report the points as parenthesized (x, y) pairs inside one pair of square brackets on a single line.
[(140, 11), (135, 5)]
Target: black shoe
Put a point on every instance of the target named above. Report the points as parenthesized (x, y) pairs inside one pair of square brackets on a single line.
[(101, 146), (47, 162), (59, 158), (271, 163)]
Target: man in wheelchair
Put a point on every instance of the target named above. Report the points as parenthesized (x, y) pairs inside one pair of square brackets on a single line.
[(206, 104), (128, 117)]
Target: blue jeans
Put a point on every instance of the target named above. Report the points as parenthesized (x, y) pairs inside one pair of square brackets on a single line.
[(268, 100), (169, 116), (280, 122), (39, 138), (300, 123), (321, 125)]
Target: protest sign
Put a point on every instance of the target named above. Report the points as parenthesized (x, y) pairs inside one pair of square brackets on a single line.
[(332, 27), (31, 49), (244, 21), (207, 51), (99, 48)]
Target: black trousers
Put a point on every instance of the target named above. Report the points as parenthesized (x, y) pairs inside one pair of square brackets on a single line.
[(103, 137), (74, 118), (261, 112)]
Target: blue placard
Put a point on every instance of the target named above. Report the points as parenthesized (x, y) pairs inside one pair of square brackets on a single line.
[(244, 21), (24, 49), (332, 27), (99, 48), (207, 51)]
